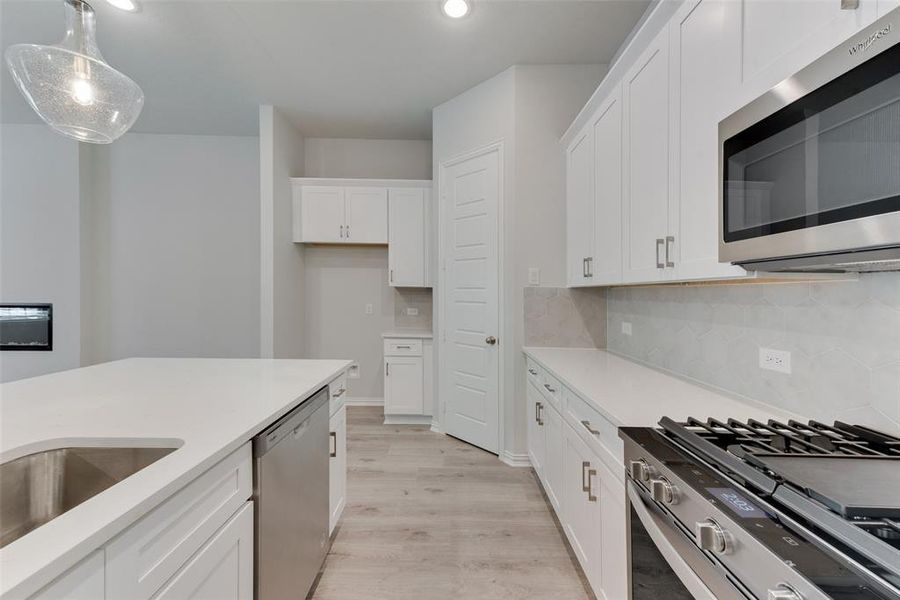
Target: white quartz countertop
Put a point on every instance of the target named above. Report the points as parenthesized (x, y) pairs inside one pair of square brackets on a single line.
[(210, 407), (408, 333), (632, 395)]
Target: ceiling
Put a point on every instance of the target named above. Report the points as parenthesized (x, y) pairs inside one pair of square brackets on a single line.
[(337, 68)]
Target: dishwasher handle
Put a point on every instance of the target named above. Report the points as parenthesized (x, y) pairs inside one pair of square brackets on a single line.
[(294, 423)]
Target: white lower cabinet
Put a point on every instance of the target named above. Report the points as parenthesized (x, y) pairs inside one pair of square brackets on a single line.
[(222, 569), (408, 380), (589, 499), (536, 442), (337, 475)]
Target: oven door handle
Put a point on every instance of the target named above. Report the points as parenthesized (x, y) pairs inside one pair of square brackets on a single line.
[(673, 545)]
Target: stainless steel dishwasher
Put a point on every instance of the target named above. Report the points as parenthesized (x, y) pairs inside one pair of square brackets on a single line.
[(290, 488)]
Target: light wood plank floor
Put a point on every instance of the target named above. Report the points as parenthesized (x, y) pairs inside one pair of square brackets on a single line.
[(430, 517)]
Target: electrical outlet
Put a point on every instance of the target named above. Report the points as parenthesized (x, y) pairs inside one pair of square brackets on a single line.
[(775, 360), (534, 276), (626, 328), (370, 309), (412, 311), (353, 371)]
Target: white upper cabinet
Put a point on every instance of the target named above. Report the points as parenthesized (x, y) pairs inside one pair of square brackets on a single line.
[(367, 216), (779, 38), (580, 208), (408, 229), (646, 189), (322, 214), (703, 85), (606, 266)]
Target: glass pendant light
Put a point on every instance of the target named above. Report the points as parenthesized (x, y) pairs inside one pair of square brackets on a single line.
[(70, 86)]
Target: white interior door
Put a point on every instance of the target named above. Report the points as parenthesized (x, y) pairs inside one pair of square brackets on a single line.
[(470, 195)]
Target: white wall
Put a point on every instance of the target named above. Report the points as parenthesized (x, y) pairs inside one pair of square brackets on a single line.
[(281, 156), (340, 281), (40, 240), (378, 159), (176, 249), (527, 108)]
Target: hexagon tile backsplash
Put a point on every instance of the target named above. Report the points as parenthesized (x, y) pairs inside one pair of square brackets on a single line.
[(844, 340)]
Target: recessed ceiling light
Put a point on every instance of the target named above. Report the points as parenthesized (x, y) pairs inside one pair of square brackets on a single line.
[(128, 5), (455, 9)]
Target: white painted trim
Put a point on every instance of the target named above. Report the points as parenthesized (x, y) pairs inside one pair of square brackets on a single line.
[(425, 183), (515, 460), (266, 232), (505, 334), (363, 401), (436, 425), (407, 420)]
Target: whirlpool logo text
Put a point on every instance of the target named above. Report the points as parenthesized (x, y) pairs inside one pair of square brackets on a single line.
[(863, 45)]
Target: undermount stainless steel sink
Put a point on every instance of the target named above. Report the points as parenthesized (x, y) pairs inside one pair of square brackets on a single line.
[(37, 488)]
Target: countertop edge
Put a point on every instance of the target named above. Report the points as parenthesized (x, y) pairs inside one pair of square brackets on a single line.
[(530, 351)]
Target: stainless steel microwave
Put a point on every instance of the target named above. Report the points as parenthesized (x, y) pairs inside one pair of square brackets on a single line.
[(809, 173)]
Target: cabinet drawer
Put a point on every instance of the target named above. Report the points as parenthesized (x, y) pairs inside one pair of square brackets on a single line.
[(337, 393), (402, 347), (552, 389), (84, 581), (601, 434), (149, 553)]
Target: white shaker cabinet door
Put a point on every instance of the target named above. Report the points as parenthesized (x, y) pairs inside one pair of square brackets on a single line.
[(367, 215), (321, 214), (606, 266), (404, 385), (580, 209), (579, 509), (703, 87), (407, 254), (554, 447), (84, 581), (222, 569), (780, 38), (646, 189), (535, 430)]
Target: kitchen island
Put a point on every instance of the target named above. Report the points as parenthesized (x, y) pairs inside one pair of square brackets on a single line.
[(208, 409)]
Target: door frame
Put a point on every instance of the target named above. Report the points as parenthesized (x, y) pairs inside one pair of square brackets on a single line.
[(504, 332)]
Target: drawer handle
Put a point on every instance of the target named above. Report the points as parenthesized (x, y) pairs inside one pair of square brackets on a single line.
[(333, 436), (339, 393), (532, 371), (403, 347), (549, 389), (587, 425)]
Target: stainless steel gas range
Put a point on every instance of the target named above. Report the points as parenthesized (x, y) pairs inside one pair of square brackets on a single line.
[(753, 510)]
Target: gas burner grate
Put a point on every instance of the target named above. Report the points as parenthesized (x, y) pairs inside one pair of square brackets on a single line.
[(774, 438)]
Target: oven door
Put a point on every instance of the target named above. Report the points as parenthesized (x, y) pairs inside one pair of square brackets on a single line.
[(813, 166), (664, 562)]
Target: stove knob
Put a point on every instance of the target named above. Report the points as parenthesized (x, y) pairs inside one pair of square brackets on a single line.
[(663, 491), (640, 470), (710, 536), (784, 592)]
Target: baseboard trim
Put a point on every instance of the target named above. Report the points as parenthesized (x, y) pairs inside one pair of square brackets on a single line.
[(363, 401), (436, 426), (407, 420), (515, 460)]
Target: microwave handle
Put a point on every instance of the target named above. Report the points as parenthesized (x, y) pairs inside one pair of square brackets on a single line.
[(671, 544)]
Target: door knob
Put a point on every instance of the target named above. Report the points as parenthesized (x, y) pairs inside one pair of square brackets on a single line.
[(490, 340)]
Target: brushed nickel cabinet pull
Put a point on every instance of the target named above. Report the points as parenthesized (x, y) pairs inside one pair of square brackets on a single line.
[(670, 240), (590, 491), (540, 407), (550, 389), (387, 368), (585, 485), (342, 232), (660, 242), (333, 436)]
